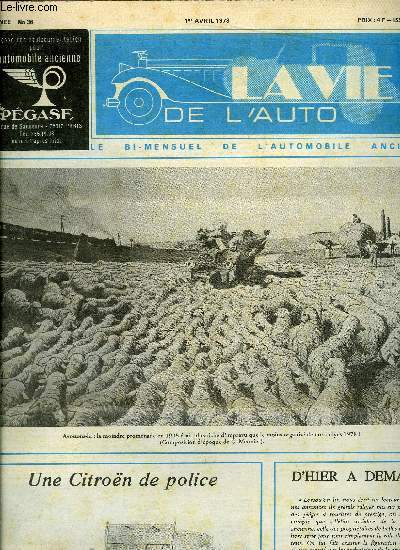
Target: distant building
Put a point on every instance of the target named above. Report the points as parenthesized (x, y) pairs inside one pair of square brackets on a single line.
[(145, 536), (139, 536)]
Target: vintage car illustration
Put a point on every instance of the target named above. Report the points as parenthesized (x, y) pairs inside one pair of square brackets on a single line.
[(141, 89)]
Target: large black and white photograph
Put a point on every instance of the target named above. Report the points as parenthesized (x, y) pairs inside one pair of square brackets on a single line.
[(200, 296)]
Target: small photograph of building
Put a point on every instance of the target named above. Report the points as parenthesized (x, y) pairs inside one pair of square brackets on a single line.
[(154, 536)]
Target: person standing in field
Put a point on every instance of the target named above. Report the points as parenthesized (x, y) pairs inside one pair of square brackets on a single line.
[(394, 239), (328, 249), (374, 252)]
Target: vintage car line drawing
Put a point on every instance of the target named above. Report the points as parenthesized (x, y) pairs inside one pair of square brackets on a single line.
[(140, 90)]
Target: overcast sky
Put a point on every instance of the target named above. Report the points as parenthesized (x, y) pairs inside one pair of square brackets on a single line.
[(161, 204)]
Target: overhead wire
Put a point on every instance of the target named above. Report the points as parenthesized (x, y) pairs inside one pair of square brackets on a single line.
[(26, 211)]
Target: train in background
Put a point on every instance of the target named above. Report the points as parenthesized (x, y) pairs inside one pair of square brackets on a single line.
[(27, 243), (21, 233)]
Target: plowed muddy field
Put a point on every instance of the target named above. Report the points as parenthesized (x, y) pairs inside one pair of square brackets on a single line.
[(141, 344)]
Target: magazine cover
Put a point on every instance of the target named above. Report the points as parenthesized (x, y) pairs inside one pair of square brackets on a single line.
[(200, 275)]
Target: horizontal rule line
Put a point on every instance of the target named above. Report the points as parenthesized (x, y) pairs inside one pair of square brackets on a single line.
[(23, 453), (372, 30), (206, 157)]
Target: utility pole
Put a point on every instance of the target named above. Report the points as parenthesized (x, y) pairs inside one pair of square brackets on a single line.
[(383, 224), (174, 536)]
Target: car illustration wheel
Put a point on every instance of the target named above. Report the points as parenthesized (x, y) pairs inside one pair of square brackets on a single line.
[(139, 103)]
